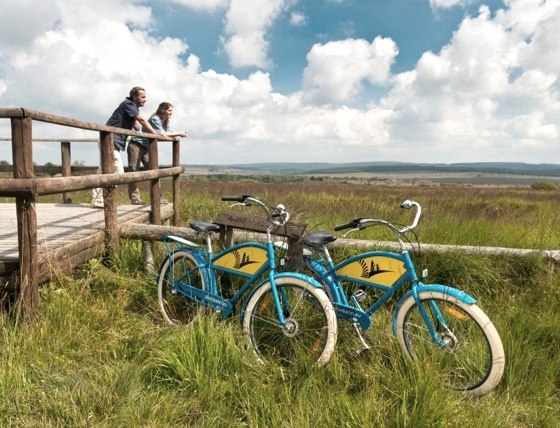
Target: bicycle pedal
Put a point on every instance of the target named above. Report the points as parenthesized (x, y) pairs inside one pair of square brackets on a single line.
[(360, 350), (359, 295)]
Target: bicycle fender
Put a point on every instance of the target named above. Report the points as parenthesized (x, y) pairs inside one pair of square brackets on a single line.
[(301, 276), (440, 288), (182, 241)]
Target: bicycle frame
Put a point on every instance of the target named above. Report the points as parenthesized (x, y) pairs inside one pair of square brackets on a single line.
[(382, 270), (249, 260)]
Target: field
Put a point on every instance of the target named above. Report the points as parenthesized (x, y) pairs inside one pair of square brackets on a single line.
[(101, 356), (405, 174)]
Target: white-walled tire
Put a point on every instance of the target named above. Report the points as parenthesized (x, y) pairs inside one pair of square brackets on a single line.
[(179, 267), (473, 359), (311, 326)]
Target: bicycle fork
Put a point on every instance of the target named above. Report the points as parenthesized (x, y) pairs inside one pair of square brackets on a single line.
[(437, 319)]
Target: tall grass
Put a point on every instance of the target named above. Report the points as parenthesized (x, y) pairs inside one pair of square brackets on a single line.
[(500, 217), (101, 356)]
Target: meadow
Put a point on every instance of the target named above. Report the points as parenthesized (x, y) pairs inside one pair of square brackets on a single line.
[(100, 354)]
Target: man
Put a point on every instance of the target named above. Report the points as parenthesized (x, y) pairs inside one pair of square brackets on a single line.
[(124, 116)]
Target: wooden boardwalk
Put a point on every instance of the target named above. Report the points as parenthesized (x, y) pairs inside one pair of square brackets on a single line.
[(68, 234)]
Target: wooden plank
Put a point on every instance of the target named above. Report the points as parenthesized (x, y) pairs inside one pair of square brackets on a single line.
[(258, 224), (64, 259), (11, 112), (63, 229)]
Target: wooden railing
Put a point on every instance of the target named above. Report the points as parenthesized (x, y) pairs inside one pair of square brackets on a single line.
[(25, 187)]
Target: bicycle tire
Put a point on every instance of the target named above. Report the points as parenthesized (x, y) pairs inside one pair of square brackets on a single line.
[(311, 329), (473, 360), (175, 307)]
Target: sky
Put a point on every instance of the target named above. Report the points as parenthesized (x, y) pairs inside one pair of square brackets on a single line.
[(437, 81)]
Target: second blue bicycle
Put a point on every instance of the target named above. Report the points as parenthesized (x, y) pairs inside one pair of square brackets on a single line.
[(438, 326)]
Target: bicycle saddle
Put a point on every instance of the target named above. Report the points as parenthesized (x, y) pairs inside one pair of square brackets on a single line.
[(318, 239), (201, 226)]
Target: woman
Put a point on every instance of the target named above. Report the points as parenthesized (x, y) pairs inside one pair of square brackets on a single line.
[(138, 147)]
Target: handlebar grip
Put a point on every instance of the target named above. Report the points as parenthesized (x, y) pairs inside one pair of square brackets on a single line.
[(407, 204), (351, 225), (235, 198)]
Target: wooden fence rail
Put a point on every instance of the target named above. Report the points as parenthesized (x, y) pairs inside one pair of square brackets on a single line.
[(25, 187), (50, 186)]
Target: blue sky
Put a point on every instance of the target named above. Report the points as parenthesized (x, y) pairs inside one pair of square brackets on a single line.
[(322, 21), (297, 80)]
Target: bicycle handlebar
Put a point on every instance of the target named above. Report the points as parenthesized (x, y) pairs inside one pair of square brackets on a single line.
[(360, 223), (240, 198), (273, 213), (351, 225)]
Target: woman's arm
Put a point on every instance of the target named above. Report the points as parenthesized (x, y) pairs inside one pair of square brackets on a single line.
[(176, 134)]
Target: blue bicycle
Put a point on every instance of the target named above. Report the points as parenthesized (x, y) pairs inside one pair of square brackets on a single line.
[(436, 325), (285, 315)]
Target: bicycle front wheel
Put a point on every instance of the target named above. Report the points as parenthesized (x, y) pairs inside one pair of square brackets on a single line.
[(178, 269), (310, 330), (472, 356)]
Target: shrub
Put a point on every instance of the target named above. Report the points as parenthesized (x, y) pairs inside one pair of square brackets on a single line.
[(544, 185)]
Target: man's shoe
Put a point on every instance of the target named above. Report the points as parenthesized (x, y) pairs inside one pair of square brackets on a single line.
[(96, 203), (138, 202)]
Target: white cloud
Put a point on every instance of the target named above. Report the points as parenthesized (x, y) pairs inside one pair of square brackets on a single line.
[(537, 22), (206, 5), (336, 70), (488, 85), (447, 4), (39, 17), (298, 19), (532, 128), (490, 93), (247, 22)]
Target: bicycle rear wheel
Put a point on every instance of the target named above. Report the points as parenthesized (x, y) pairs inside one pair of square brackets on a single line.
[(310, 330), (472, 358), (179, 268)]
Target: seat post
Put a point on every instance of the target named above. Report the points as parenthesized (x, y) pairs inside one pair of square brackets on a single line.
[(208, 241)]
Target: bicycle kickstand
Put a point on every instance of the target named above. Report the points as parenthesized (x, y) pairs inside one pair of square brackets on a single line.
[(364, 346)]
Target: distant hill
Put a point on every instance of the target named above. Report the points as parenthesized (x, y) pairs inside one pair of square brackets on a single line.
[(516, 168)]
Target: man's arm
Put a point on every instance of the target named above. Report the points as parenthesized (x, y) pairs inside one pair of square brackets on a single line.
[(146, 124)]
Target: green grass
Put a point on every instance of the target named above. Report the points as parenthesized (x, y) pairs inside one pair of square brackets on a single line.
[(101, 356), (489, 216)]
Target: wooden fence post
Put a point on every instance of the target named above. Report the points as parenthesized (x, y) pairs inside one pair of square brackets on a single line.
[(176, 182), (28, 298), (66, 167), (155, 191), (109, 194), (155, 212)]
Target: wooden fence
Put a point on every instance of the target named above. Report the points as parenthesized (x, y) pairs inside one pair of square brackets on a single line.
[(25, 187)]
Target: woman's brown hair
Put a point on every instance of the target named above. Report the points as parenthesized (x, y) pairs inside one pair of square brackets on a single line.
[(162, 108)]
